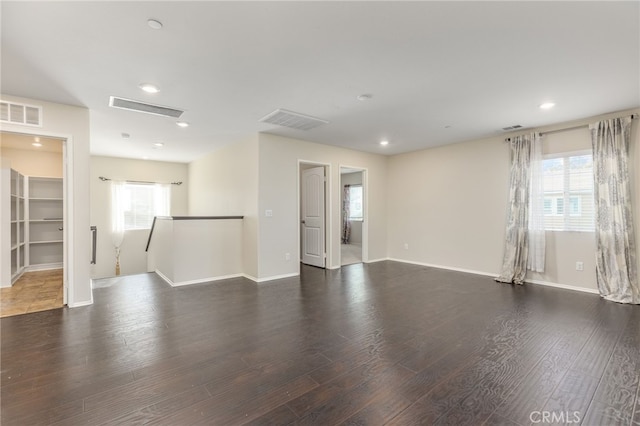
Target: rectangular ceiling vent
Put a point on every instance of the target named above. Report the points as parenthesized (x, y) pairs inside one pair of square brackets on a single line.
[(514, 127), (294, 120), (132, 105), (14, 113)]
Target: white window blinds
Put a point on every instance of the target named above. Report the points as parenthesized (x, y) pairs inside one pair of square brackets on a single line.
[(568, 192)]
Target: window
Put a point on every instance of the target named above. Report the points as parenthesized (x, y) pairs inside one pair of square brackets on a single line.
[(139, 203), (568, 192), (355, 202)]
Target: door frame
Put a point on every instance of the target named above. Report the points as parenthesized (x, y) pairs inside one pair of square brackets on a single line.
[(328, 209), (365, 210), (67, 204)]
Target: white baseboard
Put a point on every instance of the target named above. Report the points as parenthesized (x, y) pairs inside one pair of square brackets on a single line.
[(563, 286), (164, 277), (271, 278), (449, 268), (198, 281), (43, 267), (85, 303), (495, 274), (79, 304), (382, 259)]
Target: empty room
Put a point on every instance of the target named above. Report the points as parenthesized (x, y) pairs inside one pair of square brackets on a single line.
[(322, 213)]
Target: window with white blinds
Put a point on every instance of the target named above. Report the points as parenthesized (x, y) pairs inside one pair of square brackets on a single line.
[(355, 203), (568, 192), (141, 202)]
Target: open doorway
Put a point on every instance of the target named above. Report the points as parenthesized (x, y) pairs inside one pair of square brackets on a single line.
[(352, 216), (33, 231)]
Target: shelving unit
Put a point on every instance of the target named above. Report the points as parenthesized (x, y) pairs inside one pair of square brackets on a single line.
[(44, 232), (32, 237), (13, 227)]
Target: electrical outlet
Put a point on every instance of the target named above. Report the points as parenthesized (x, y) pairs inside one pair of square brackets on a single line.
[(406, 246), (579, 266), (268, 213), (287, 256)]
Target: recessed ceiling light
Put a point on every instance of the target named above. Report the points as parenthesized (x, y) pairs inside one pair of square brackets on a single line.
[(149, 88), (364, 97), (158, 144), (182, 123), (37, 144), (384, 143), (547, 105), (154, 23)]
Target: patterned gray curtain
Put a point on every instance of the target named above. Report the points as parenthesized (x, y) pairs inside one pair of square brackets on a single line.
[(516, 249), (346, 212), (616, 270)]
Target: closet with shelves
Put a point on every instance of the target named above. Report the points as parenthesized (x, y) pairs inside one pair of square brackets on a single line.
[(17, 225), (32, 219), (44, 211)]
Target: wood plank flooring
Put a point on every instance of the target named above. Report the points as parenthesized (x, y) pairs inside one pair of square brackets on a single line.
[(33, 292), (383, 343)]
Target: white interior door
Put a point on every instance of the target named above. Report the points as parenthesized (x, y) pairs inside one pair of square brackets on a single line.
[(312, 217)]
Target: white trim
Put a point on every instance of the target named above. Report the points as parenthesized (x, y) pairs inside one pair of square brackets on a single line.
[(366, 218), (164, 277), (68, 278), (336, 267), (382, 259), (450, 268), (491, 274), (328, 209), (563, 286), (198, 281), (85, 303), (44, 267), (271, 278)]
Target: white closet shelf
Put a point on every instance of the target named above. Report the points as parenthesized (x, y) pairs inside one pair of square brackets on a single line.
[(44, 199), (46, 220), (46, 242)]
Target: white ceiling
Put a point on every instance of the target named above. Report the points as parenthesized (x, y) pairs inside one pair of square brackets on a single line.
[(439, 72)]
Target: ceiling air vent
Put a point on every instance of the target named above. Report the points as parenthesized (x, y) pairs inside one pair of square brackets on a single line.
[(132, 105), (294, 120), (514, 127), (14, 113)]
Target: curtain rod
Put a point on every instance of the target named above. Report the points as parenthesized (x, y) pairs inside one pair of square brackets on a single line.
[(104, 179), (633, 116)]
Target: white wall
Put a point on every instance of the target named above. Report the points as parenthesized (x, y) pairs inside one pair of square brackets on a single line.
[(278, 191), (133, 258), (448, 204), (356, 226), (34, 163), (225, 183), (196, 251), (64, 121)]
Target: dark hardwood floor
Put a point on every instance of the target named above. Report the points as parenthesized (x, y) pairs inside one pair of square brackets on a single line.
[(385, 343)]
